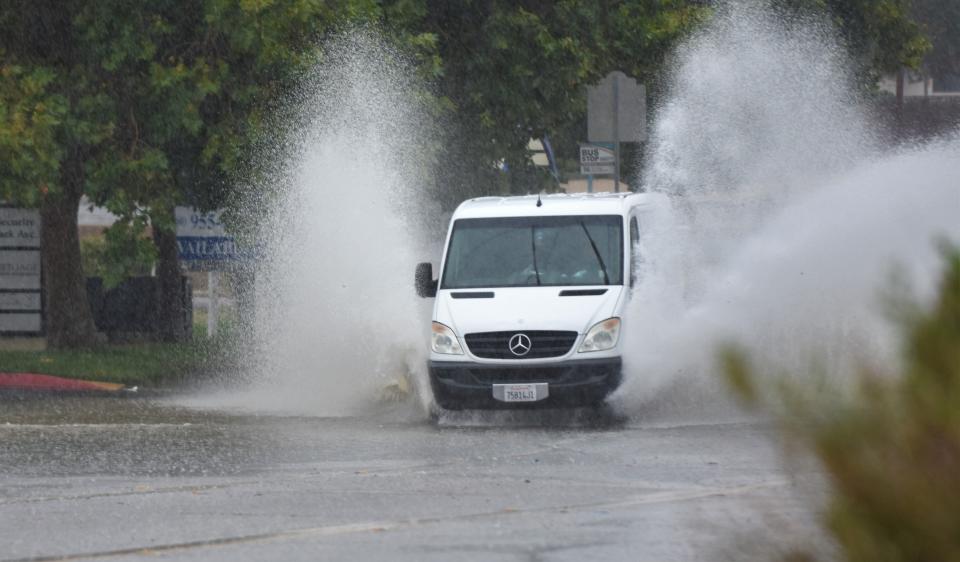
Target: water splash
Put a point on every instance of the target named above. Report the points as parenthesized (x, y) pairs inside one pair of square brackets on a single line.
[(338, 324), (787, 216)]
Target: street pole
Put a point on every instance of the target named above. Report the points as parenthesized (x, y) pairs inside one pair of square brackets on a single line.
[(616, 134), (213, 305)]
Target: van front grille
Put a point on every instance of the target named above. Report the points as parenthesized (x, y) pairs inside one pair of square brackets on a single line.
[(543, 344)]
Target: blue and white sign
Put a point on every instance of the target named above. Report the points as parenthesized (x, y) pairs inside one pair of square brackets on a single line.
[(202, 240), (195, 248), (597, 159)]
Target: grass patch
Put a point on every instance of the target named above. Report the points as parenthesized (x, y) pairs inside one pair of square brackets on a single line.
[(227, 323), (148, 364), (135, 364)]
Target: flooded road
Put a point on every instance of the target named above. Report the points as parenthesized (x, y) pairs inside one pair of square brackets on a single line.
[(129, 479)]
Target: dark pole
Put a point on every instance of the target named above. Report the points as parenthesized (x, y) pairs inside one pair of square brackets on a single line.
[(616, 133)]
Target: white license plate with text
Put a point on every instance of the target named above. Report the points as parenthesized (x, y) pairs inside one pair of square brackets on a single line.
[(520, 392)]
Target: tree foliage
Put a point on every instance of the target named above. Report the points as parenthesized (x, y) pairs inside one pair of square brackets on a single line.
[(940, 21), (881, 35), (512, 71), (139, 107), (892, 450), (121, 252), (166, 95), (142, 106), (171, 94)]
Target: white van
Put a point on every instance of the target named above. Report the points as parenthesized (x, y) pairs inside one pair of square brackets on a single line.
[(530, 300)]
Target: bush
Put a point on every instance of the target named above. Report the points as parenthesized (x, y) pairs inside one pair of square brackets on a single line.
[(891, 448), (123, 251)]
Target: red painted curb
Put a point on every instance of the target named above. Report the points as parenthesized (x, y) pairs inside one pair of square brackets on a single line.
[(33, 381)]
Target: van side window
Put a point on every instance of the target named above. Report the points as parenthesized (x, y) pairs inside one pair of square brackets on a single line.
[(634, 257)]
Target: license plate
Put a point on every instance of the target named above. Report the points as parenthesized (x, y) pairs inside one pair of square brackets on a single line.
[(520, 392)]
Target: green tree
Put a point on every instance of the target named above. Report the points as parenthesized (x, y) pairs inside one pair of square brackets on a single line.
[(514, 70), (54, 118), (882, 35), (139, 106), (940, 21), (121, 252), (143, 106)]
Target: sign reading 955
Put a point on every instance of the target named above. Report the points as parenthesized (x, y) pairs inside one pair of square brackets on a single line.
[(194, 222), (202, 240)]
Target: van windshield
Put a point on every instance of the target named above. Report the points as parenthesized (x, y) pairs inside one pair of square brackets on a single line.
[(532, 251)]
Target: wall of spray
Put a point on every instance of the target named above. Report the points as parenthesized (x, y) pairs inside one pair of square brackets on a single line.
[(787, 221), (338, 326)]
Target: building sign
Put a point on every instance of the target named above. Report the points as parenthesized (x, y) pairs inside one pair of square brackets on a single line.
[(20, 270), (208, 249), (19, 228), (21, 278), (203, 242)]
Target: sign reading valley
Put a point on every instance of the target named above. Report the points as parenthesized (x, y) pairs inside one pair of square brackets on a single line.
[(208, 248)]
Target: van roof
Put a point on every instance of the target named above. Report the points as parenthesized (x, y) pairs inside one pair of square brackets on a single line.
[(554, 204)]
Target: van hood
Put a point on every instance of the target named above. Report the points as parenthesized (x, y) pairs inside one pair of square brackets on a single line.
[(469, 311)]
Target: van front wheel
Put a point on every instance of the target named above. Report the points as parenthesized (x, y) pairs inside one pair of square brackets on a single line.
[(435, 411), (442, 398), (446, 403)]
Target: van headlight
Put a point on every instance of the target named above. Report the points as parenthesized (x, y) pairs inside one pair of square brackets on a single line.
[(444, 341), (602, 336)]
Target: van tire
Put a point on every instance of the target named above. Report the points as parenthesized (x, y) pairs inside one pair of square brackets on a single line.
[(436, 411), (602, 414), (444, 401), (447, 404)]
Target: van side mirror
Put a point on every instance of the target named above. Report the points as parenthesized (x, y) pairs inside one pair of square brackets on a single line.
[(424, 281)]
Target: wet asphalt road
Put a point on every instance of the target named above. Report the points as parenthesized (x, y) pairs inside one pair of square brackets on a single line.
[(131, 479)]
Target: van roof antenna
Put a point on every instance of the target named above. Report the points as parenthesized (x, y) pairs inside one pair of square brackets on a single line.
[(539, 202)]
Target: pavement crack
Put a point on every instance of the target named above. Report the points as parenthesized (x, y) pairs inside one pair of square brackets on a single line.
[(125, 493)]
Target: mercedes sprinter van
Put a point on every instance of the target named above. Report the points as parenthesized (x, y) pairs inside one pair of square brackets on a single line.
[(530, 299)]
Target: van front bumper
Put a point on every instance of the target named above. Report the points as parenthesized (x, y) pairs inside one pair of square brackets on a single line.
[(583, 382)]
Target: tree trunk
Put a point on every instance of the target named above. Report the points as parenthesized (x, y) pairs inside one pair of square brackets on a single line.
[(69, 322), (172, 327)]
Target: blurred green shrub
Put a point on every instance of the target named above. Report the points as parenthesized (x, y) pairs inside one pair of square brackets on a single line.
[(123, 251), (891, 448)]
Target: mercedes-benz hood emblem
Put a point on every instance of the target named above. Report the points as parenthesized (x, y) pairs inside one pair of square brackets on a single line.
[(519, 344)]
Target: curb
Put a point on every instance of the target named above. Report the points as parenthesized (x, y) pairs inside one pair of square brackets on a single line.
[(50, 383)]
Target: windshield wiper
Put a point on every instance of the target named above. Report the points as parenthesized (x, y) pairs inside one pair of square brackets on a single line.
[(533, 248), (596, 252)]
